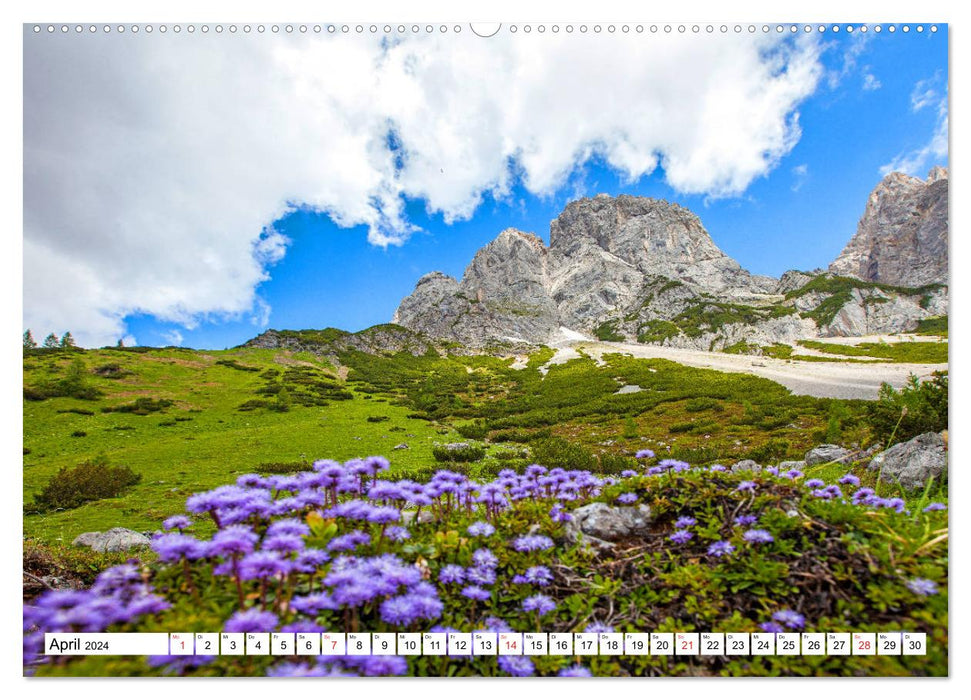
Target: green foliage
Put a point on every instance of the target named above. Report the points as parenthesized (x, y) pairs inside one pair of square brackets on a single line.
[(608, 331), (282, 467), (141, 406), (773, 450), (840, 291), (936, 325), (89, 481), (919, 407), (459, 452), (378, 419), (51, 341), (630, 428), (657, 331), (67, 340), (472, 431), (73, 384), (557, 452), (894, 352), (233, 364), (29, 342)]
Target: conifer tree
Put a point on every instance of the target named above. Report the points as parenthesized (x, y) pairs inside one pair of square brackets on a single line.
[(67, 340), (29, 342), (51, 341)]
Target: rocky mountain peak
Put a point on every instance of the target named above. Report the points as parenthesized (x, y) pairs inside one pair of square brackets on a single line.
[(902, 237)]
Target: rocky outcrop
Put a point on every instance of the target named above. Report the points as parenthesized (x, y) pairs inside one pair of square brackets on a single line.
[(639, 269), (913, 463), (615, 260), (384, 338), (599, 524), (824, 454), (902, 237), (117, 539)]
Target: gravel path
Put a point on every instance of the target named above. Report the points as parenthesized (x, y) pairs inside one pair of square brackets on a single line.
[(836, 380)]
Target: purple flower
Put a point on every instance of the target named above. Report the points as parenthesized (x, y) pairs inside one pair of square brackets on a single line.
[(484, 558), (308, 561), (235, 539), (814, 483), (531, 543), (654, 471), (288, 526), (558, 515), (539, 603), (744, 520), (643, 454), (790, 619), (251, 620), (538, 575), (352, 540), (720, 549), (481, 576), (380, 665), (828, 493), (793, 474), (598, 628), (451, 573), (382, 515), (285, 544), (771, 627), (176, 522), (575, 671), (849, 480), (717, 468), (627, 498), (629, 473), (173, 547), (746, 486), (681, 536), (396, 533), (922, 586), (774, 471), (758, 536), (263, 565), (480, 529), (476, 593), (516, 665), (685, 522), (289, 669), (312, 604), (935, 506), (407, 609)]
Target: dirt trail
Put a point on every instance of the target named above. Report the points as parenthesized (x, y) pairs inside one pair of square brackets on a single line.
[(838, 380)]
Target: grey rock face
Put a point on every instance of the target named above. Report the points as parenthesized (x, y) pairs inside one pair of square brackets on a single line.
[(622, 267), (913, 463), (598, 524), (794, 464), (117, 539), (902, 237), (828, 453), (747, 465)]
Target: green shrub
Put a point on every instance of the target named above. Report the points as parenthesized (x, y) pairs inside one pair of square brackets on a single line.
[(79, 434), (377, 419), (112, 370), (282, 467), (140, 407), (556, 452), (773, 450), (74, 384), (233, 364), (703, 403), (919, 407), (88, 481), (615, 464), (608, 331), (472, 431), (460, 452)]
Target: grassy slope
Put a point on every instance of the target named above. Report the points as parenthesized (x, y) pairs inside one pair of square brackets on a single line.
[(218, 442)]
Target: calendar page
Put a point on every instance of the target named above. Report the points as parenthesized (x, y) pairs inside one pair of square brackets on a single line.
[(519, 349)]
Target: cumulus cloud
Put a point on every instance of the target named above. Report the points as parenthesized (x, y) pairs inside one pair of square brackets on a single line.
[(156, 165), (932, 94), (870, 81)]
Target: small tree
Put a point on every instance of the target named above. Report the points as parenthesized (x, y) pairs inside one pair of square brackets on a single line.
[(121, 343), (67, 340), (29, 342), (51, 341)]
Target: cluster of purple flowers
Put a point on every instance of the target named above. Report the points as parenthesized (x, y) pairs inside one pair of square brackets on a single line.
[(118, 596)]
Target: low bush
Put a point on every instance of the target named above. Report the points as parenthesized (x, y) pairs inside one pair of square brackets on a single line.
[(458, 452), (88, 481), (140, 407), (919, 407)]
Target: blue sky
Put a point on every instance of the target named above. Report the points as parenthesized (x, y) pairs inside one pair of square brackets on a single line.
[(878, 102)]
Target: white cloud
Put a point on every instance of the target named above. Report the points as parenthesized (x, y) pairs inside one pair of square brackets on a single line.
[(155, 166), (926, 93), (800, 174), (871, 82), (173, 337)]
